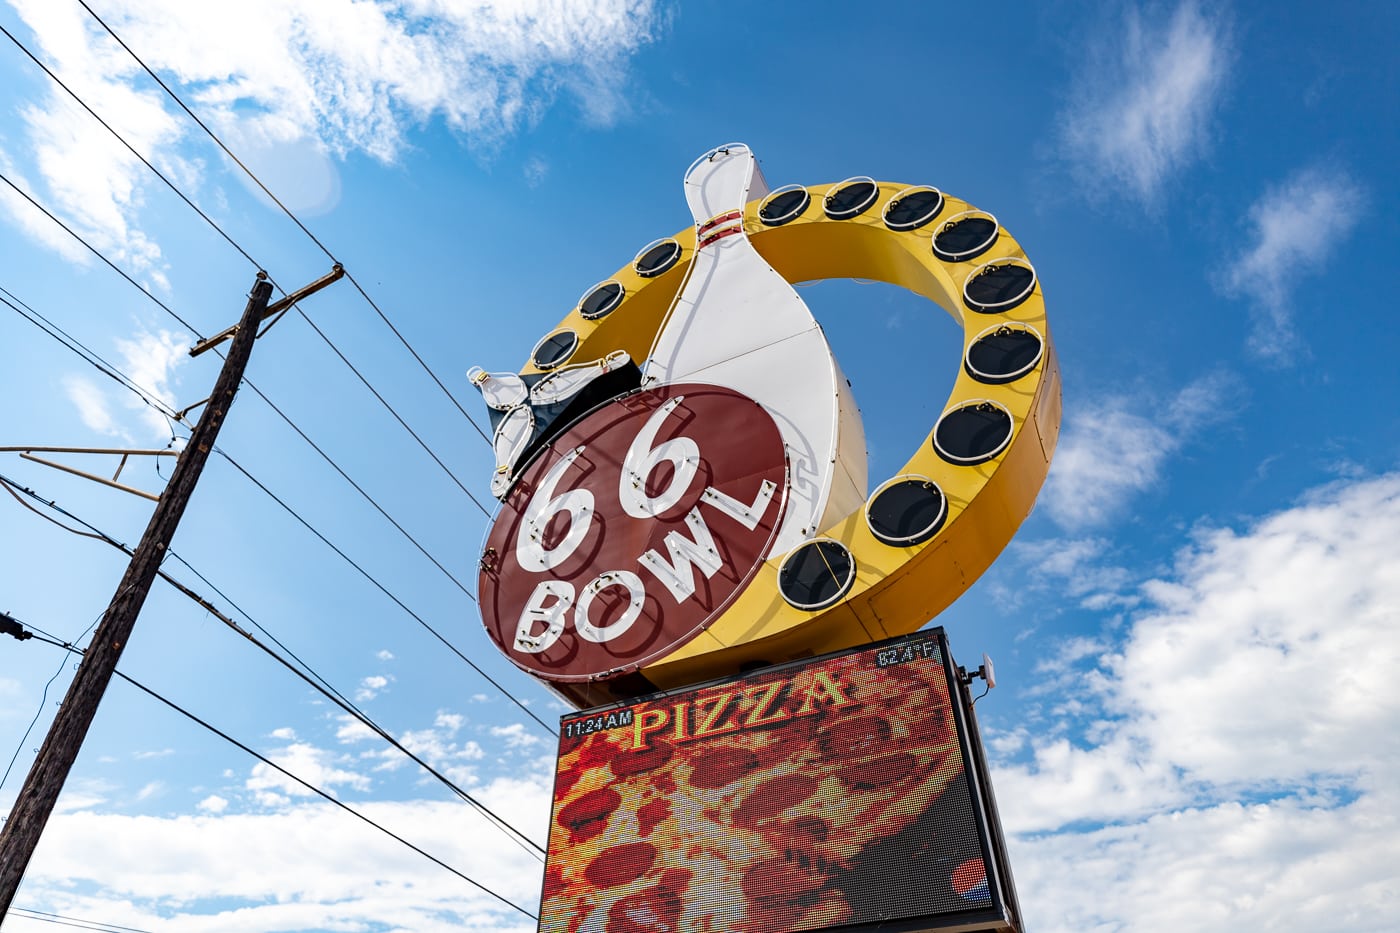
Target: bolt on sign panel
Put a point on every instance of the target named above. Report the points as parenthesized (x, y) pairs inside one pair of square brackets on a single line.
[(845, 792)]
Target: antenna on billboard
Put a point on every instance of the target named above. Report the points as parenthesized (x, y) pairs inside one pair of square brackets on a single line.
[(987, 672)]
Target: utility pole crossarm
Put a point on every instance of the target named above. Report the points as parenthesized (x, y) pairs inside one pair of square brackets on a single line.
[(277, 307)]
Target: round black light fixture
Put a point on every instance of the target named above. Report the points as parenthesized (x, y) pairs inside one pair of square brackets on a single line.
[(816, 574), (656, 257), (850, 197), (785, 204), (601, 300), (1004, 353), (972, 434), (554, 350), (913, 207), (965, 236), (999, 285), (906, 511)]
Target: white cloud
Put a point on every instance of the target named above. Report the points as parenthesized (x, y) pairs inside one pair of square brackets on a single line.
[(159, 753), (308, 867), (150, 360), (212, 804), (284, 734), (91, 405), (371, 686), (315, 766), (1240, 754), (437, 745), (516, 735), (384, 654), (289, 84), (1143, 102), (1109, 452), (1295, 228), (151, 789)]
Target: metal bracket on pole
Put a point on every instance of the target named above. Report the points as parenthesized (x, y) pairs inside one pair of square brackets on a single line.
[(28, 454), (277, 307)]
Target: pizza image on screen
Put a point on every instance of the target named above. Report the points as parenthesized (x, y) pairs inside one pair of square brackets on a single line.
[(816, 795)]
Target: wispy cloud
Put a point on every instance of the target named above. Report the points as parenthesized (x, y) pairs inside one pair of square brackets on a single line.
[(91, 404), (1295, 228), (1142, 103), (1111, 449), (290, 84), (151, 361)]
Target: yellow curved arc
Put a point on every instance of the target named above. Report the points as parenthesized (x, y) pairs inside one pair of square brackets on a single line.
[(897, 589)]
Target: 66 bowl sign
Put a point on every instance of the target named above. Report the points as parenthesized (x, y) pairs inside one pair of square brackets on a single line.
[(635, 527)]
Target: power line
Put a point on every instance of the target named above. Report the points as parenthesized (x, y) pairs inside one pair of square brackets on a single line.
[(246, 255), (44, 697), (385, 590), (132, 149), (325, 795), (210, 221), (323, 687), (285, 210), (382, 401), (87, 354), (95, 532), (308, 675), (111, 371), (353, 563), (29, 913), (92, 249)]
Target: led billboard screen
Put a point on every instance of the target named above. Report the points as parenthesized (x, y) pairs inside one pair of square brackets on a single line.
[(831, 793)]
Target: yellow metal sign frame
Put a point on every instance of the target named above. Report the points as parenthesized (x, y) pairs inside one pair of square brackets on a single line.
[(896, 589)]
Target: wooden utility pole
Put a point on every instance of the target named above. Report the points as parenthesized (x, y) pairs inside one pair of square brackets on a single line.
[(41, 788)]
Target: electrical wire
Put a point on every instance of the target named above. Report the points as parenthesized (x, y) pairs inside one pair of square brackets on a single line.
[(130, 148), (306, 672), (385, 590), (355, 565), (325, 795), (397, 417), (44, 697), (323, 687), (108, 369), (285, 210), (356, 486), (29, 913), (92, 249), (26, 311)]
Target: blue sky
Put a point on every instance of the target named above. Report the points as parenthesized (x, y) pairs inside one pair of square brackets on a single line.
[(1194, 632)]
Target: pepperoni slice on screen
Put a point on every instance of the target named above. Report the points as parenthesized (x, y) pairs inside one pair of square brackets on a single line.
[(650, 814), (863, 735), (774, 796), (655, 910), (880, 772), (621, 864), (722, 766), (588, 816), (677, 879), (626, 764)]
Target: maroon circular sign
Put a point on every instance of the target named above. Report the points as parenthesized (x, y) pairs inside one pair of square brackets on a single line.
[(638, 525)]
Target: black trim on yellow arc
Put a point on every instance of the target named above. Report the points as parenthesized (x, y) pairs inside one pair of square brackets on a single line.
[(896, 589)]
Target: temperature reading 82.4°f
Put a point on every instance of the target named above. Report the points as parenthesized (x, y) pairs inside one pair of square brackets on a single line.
[(903, 654)]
